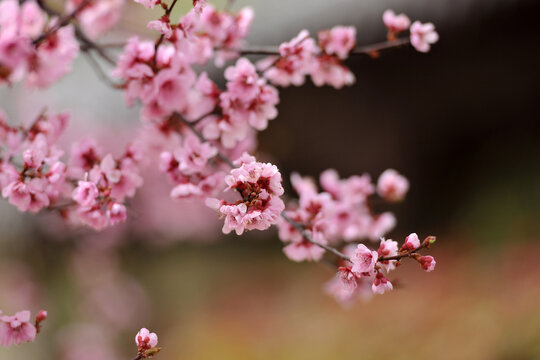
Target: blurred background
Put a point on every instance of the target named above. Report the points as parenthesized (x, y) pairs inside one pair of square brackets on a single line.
[(462, 123)]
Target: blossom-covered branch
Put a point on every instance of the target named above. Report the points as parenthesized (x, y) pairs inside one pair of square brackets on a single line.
[(201, 135)]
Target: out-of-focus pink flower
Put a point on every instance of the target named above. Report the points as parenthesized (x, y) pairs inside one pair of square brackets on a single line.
[(294, 63), (396, 23), (381, 225), (363, 260), (85, 194), (381, 284), (304, 250), (427, 262), (161, 26), (193, 156), (16, 329), (145, 339), (116, 213), (53, 57), (149, 4), (392, 186), (98, 16), (242, 80), (411, 243), (328, 70), (339, 40), (423, 35)]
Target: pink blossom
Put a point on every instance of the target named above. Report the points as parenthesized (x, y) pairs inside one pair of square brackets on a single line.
[(423, 35), (221, 128), (328, 70), (94, 217), (146, 340), (381, 225), (14, 51), (388, 248), (129, 180), (193, 156), (84, 155), (260, 187), (339, 40), (85, 194), (116, 213), (304, 186), (18, 194), (392, 186), (396, 23), (427, 262), (32, 18), (304, 251), (16, 329), (149, 4), (363, 260), (53, 58), (242, 80), (98, 16), (411, 243), (132, 63), (202, 98), (294, 63), (381, 284), (161, 26)]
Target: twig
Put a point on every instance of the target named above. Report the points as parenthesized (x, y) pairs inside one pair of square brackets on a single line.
[(203, 139), (86, 42), (61, 22), (407, 254), (304, 233), (359, 50), (99, 71)]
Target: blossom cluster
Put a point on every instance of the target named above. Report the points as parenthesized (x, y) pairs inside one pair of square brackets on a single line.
[(18, 328), (422, 35), (90, 188), (342, 212), (365, 272), (259, 186), (96, 17), (40, 181), (107, 183), (32, 44)]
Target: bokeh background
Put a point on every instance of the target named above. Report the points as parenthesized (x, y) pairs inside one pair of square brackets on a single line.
[(462, 123)]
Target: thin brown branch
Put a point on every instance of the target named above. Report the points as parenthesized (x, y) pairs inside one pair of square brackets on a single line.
[(99, 71), (359, 50), (304, 233), (411, 253), (203, 139), (86, 43), (63, 21)]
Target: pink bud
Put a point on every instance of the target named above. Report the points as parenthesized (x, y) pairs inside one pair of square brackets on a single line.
[(427, 262), (145, 339), (411, 243)]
